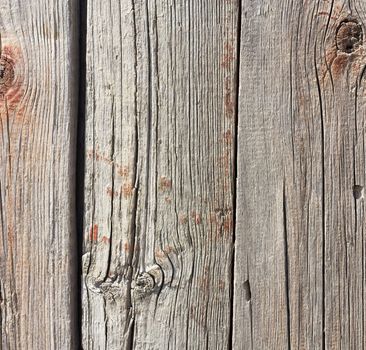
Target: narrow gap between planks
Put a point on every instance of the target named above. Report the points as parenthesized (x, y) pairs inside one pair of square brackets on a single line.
[(80, 160)]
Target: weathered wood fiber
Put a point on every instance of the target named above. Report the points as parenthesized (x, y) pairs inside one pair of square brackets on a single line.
[(38, 86), (160, 127), (299, 261)]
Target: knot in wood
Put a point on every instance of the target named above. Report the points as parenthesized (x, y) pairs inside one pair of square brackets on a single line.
[(144, 284), (6, 73), (349, 36)]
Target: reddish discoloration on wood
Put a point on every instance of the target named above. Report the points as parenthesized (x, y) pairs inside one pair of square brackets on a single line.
[(196, 218), (229, 56), (111, 193), (11, 83), (327, 14), (127, 190), (105, 239), (165, 184), (123, 171), (228, 137), (163, 252), (12, 121), (338, 63), (93, 233), (225, 162), (227, 224), (98, 156), (228, 100)]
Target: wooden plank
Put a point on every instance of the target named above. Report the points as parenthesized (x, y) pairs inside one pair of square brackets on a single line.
[(38, 86), (160, 126), (299, 262)]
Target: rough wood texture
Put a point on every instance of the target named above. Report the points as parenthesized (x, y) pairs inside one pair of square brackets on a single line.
[(160, 126), (299, 262), (37, 122)]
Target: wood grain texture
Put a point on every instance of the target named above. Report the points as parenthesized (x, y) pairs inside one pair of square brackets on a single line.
[(160, 126), (37, 135), (299, 261)]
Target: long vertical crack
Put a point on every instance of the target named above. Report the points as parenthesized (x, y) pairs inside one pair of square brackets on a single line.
[(235, 168), (133, 257), (286, 263), (323, 196)]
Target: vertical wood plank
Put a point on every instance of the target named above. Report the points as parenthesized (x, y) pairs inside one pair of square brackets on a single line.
[(160, 125), (299, 262), (111, 147), (38, 89)]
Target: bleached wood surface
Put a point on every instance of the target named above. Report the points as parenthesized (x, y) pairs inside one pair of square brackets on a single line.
[(38, 86), (169, 233), (160, 125), (299, 262)]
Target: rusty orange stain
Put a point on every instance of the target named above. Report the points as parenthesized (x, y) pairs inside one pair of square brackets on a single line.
[(228, 55), (228, 137), (123, 171), (127, 247), (11, 82), (165, 184), (105, 239), (161, 253), (93, 233), (196, 218), (127, 190), (228, 101), (111, 193), (227, 225), (324, 13), (225, 163), (339, 65)]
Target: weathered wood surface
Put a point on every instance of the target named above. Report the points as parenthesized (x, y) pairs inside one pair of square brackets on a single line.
[(299, 261), (160, 127), (162, 208), (37, 121)]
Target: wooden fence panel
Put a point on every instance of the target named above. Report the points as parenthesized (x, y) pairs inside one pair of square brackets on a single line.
[(299, 262), (38, 89), (160, 131)]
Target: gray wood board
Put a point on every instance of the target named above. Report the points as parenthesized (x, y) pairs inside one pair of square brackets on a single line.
[(299, 254), (159, 184), (38, 86)]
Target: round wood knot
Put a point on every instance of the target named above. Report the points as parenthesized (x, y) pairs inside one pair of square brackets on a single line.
[(144, 284), (349, 36), (6, 73)]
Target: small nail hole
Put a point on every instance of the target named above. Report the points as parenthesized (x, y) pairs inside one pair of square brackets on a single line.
[(357, 191), (247, 291)]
